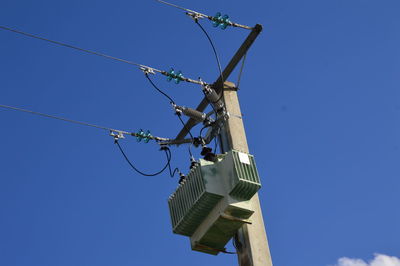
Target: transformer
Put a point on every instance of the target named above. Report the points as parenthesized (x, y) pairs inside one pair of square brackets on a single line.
[(212, 203)]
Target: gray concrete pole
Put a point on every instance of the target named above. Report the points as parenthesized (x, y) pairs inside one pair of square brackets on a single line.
[(253, 249)]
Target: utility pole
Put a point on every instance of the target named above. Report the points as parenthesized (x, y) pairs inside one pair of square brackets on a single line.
[(253, 249)]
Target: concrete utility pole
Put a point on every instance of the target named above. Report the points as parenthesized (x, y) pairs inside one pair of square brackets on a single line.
[(253, 249)]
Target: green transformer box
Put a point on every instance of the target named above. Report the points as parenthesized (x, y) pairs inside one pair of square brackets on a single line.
[(212, 203)]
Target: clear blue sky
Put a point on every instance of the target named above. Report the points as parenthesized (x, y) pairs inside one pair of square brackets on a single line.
[(320, 99)]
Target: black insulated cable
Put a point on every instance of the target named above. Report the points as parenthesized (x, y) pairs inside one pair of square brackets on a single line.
[(160, 91), (168, 155), (216, 57), (178, 114)]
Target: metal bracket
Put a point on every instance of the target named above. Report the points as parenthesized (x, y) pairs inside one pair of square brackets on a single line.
[(147, 70), (235, 219), (204, 247), (215, 129), (195, 16), (117, 135)]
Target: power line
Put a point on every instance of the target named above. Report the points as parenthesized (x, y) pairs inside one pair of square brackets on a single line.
[(142, 67), (197, 15), (82, 123), (72, 47)]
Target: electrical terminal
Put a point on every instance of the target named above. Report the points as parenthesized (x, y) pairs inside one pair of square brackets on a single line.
[(194, 15), (117, 135), (147, 70)]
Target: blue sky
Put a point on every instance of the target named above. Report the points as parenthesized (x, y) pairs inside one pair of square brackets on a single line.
[(321, 107)]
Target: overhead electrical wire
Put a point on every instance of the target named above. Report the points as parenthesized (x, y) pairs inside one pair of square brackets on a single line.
[(196, 14), (166, 149), (142, 67), (80, 123), (146, 69), (71, 46)]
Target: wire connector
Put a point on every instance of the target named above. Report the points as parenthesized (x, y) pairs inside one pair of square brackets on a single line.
[(147, 70), (117, 135), (195, 16)]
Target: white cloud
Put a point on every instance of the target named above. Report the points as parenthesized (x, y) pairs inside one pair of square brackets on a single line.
[(379, 260)]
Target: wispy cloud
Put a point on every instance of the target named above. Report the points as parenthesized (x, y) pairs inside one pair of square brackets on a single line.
[(379, 260)]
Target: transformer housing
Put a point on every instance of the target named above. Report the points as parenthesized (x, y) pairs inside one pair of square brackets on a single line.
[(213, 201)]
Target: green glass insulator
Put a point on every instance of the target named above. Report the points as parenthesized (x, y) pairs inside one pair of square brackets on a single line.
[(147, 137), (178, 77), (217, 19), (139, 135), (225, 22), (171, 74)]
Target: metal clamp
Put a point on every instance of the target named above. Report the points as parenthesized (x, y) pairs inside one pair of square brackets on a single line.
[(147, 70), (117, 135), (195, 16)]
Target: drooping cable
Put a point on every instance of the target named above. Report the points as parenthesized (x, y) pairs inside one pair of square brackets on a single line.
[(160, 91), (216, 57), (172, 173), (178, 114), (170, 99), (168, 155), (176, 170)]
